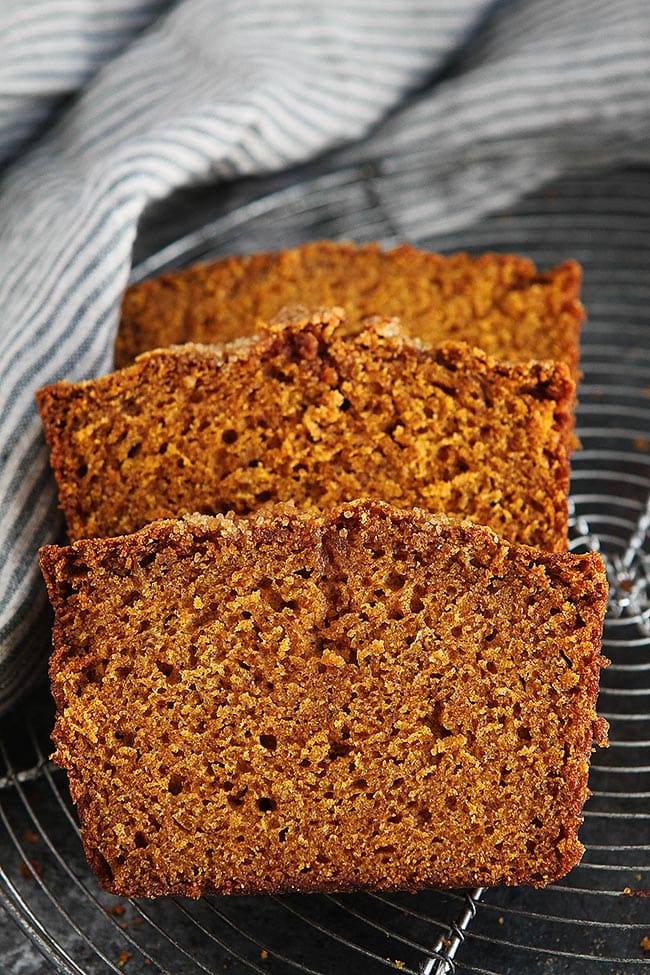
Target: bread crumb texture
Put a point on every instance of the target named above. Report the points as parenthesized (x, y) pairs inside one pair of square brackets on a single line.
[(307, 413), (499, 302), (315, 702)]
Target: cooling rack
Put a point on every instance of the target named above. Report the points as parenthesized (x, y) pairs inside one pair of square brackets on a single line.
[(595, 919)]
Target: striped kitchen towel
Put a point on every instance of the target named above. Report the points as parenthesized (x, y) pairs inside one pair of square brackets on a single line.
[(107, 106)]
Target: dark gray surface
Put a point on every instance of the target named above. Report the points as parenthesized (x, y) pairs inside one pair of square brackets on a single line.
[(584, 924)]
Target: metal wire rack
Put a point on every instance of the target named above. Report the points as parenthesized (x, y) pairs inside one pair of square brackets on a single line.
[(595, 919)]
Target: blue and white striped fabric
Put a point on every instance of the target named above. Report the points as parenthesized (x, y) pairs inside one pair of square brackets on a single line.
[(49, 49), (107, 105)]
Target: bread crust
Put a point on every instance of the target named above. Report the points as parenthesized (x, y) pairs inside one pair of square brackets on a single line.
[(498, 302)]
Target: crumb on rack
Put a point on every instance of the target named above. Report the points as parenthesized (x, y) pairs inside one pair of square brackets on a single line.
[(29, 873)]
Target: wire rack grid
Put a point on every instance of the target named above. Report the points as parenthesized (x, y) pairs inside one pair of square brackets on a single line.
[(596, 919)]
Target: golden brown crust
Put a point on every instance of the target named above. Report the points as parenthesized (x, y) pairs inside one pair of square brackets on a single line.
[(498, 302), (366, 698), (305, 413)]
